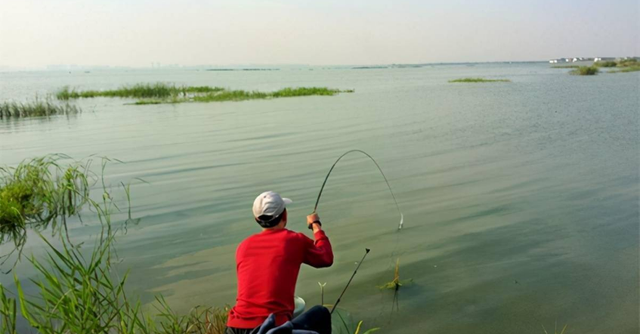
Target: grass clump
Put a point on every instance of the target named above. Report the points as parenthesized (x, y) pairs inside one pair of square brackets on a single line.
[(481, 80), (79, 292), (606, 64), (36, 108), (37, 194), (585, 70)]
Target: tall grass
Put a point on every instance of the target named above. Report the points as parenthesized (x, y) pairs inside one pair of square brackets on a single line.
[(36, 108), (79, 292), (605, 64), (585, 70), (476, 80), (40, 193)]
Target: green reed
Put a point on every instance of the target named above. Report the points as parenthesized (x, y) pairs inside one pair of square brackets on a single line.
[(585, 70), (141, 90), (36, 108), (478, 80), (164, 93), (79, 291), (40, 193), (626, 69)]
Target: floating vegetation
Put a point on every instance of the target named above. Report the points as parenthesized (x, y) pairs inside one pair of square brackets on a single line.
[(481, 80), (36, 108), (585, 70), (163, 93)]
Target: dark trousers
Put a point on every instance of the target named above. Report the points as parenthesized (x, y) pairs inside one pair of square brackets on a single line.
[(317, 319)]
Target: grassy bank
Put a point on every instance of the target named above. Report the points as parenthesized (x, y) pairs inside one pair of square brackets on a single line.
[(585, 70), (479, 80), (164, 93), (36, 108)]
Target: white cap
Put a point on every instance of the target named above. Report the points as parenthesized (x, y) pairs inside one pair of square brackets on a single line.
[(269, 203)]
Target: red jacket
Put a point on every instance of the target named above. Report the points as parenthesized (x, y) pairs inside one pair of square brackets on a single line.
[(267, 264)]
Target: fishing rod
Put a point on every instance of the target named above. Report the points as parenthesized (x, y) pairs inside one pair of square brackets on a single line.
[(350, 279), (381, 172)]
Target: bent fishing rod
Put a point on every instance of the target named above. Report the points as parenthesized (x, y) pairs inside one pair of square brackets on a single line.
[(379, 169), (350, 279)]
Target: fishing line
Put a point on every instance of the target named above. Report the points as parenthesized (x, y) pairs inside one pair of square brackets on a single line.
[(315, 208)]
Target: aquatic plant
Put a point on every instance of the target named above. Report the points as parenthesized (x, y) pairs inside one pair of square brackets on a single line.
[(605, 64), (163, 93), (630, 62), (626, 69), (40, 193), (369, 331), (481, 80), (585, 70), (565, 66), (395, 285), (36, 108), (81, 293), (555, 330), (342, 323), (141, 90)]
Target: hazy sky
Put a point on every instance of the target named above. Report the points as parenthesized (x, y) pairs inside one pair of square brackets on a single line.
[(36, 33)]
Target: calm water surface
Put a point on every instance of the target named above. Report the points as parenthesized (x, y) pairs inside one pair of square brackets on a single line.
[(520, 199)]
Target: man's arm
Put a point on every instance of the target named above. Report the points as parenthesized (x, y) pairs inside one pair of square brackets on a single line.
[(318, 253)]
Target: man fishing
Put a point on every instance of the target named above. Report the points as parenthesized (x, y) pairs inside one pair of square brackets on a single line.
[(267, 265)]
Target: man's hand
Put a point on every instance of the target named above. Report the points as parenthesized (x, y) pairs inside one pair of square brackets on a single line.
[(313, 221)]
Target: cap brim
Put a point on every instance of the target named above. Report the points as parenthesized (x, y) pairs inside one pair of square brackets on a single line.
[(287, 201)]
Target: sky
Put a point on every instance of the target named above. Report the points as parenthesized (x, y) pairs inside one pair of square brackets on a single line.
[(137, 33)]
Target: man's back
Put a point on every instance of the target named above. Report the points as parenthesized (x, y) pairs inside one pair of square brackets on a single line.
[(267, 265)]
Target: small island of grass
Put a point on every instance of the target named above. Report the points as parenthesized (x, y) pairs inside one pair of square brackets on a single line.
[(481, 80), (42, 108), (585, 70), (164, 93)]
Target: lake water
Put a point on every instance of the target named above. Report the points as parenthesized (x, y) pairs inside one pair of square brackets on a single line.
[(520, 199)]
